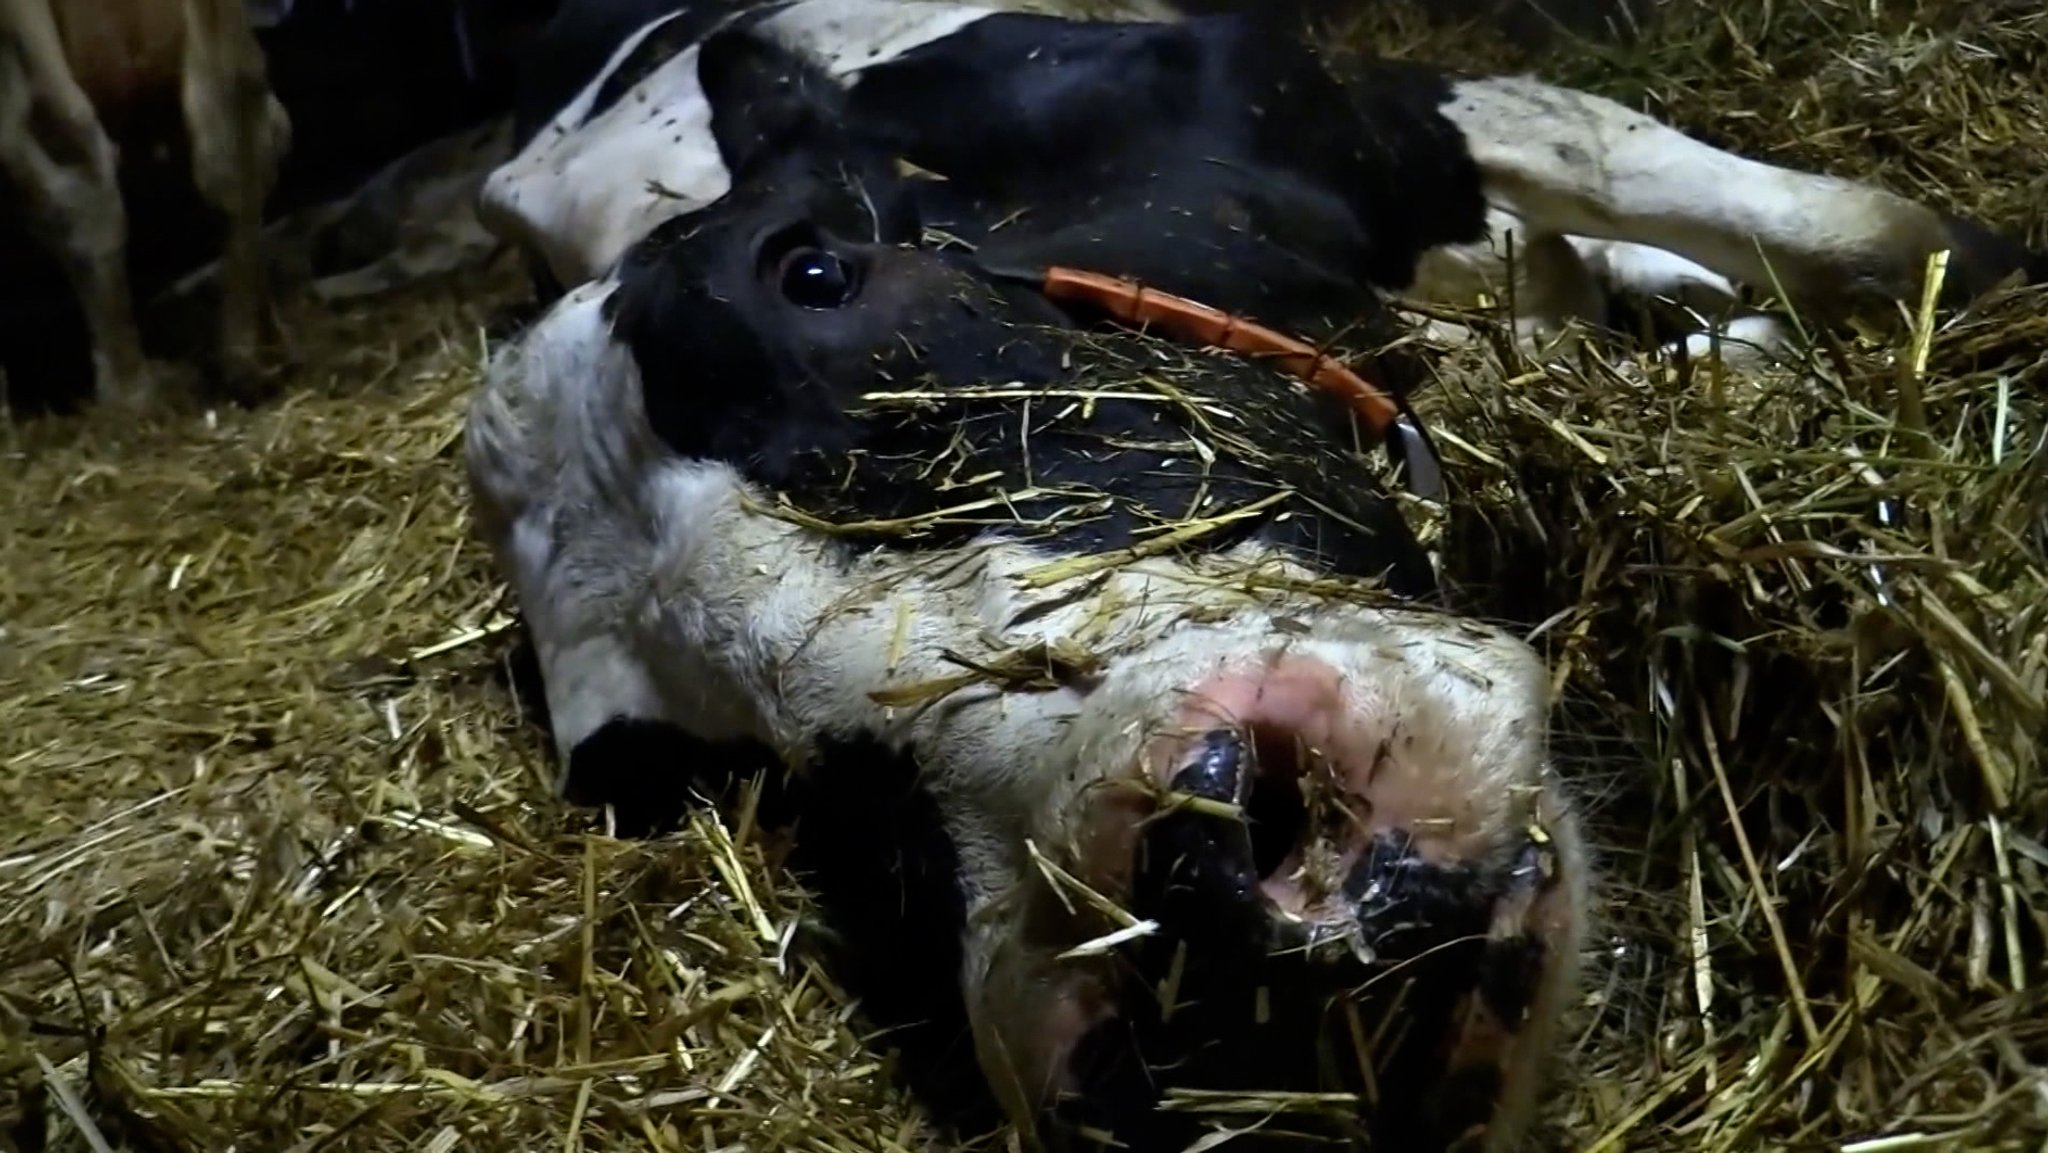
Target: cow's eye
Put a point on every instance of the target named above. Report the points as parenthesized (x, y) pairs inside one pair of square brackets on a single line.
[(814, 278)]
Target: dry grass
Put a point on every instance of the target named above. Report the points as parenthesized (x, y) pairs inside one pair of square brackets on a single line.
[(1816, 606), (279, 869)]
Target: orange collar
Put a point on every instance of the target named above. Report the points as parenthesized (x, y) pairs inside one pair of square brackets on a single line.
[(1187, 320)]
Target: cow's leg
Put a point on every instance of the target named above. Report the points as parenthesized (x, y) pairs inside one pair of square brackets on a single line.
[(1349, 828), (1743, 337), (1642, 271), (1573, 163), (1545, 276), (61, 164), (1556, 280), (239, 133)]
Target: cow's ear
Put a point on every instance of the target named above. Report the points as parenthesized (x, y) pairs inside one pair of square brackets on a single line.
[(764, 96)]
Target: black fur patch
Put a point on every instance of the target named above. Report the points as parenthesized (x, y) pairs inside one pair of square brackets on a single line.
[(1216, 158), (869, 844)]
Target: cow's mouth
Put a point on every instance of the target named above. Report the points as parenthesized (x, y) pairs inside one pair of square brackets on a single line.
[(1341, 954)]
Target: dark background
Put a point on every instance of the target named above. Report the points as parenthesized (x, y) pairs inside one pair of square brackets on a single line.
[(367, 82)]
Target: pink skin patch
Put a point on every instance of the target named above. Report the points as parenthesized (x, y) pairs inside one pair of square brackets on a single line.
[(1303, 718)]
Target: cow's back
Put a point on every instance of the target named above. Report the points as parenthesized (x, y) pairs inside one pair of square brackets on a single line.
[(126, 55)]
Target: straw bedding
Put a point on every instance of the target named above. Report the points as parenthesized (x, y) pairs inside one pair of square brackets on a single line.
[(279, 870)]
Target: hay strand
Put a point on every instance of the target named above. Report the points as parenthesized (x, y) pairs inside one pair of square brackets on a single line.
[(281, 867)]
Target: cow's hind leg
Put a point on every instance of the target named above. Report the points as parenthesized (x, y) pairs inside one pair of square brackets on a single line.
[(239, 133), (59, 161), (1573, 163)]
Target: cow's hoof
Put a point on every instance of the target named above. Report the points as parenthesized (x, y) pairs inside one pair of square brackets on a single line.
[(1198, 870), (644, 770), (1319, 914), (250, 373), (158, 387)]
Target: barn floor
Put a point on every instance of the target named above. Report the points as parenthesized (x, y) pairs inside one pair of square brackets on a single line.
[(279, 869)]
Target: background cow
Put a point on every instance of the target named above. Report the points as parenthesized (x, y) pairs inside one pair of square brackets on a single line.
[(362, 84), (79, 81)]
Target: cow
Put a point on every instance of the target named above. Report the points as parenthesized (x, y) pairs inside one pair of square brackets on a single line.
[(82, 79), (1038, 608), (1571, 205), (1127, 732)]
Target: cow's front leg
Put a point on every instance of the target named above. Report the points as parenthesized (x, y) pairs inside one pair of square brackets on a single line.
[(240, 133)]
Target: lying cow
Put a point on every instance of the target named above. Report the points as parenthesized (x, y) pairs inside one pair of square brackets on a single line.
[(79, 80), (1221, 801), (1440, 185)]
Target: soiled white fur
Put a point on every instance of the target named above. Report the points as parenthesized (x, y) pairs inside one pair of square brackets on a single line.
[(1554, 279), (662, 588)]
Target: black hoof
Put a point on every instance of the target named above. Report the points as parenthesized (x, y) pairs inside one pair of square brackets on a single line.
[(651, 773), (1408, 906), (1196, 873), (1219, 770), (1982, 257)]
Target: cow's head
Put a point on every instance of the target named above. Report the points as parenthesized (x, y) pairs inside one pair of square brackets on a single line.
[(807, 282)]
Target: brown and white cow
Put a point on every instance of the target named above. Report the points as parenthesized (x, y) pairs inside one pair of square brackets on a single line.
[(76, 77)]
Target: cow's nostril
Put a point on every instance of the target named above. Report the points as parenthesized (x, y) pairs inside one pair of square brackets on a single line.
[(1276, 810)]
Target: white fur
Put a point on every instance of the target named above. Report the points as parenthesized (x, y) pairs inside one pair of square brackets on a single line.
[(1652, 212), (1557, 279), (1577, 164), (664, 589)]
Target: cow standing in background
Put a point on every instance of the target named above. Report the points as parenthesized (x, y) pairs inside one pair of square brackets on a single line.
[(82, 79)]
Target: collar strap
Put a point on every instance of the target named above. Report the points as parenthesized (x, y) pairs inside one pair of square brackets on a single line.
[(1187, 320)]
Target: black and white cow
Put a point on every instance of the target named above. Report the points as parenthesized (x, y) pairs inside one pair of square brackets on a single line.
[(1461, 185), (803, 317), (628, 454)]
